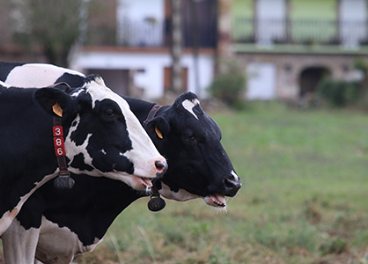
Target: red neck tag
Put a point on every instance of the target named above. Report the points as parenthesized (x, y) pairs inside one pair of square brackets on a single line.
[(58, 140)]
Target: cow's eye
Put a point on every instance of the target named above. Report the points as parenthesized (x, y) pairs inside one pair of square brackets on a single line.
[(109, 113), (189, 135)]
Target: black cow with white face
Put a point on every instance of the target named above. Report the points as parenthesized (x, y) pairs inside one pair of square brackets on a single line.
[(199, 168), (94, 120)]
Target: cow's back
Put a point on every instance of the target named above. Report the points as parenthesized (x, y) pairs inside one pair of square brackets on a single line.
[(38, 75), (6, 68)]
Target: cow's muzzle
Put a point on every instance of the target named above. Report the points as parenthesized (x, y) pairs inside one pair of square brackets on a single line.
[(232, 186)]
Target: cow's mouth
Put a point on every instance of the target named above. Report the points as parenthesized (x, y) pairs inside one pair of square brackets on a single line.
[(143, 181), (217, 200)]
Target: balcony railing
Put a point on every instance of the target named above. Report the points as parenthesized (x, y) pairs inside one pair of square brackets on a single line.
[(348, 33), (151, 33), (141, 33)]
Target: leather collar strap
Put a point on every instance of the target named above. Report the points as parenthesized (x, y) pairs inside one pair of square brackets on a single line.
[(151, 114), (64, 180), (156, 203)]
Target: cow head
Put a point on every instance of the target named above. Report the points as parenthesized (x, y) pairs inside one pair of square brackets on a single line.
[(103, 137), (185, 133)]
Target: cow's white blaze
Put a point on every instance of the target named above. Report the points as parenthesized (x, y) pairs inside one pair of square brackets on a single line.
[(189, 105), (144, 154), (8, 216), (236, 177), (31, 73)]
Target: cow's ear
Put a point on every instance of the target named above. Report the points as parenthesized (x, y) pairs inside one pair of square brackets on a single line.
[(54, 100), (158, 128)]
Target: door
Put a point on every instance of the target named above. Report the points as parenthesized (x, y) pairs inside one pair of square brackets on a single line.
[(116, 80), (168, 76), (261, 81)]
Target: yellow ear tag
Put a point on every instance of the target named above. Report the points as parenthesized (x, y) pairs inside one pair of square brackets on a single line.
[(57, 109), (158, 133)]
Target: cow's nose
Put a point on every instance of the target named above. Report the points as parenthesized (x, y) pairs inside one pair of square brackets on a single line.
[(232, 186), (161, 167)]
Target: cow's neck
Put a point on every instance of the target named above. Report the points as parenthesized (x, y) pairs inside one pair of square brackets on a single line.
[(140, 108), (100, 218), (27, 147)]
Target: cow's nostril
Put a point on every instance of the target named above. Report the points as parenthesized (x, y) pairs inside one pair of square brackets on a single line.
[(232, 186), (161, 167), (229, 183)]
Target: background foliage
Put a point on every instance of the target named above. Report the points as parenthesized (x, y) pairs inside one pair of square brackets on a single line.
[(52, 25), (229, 85), (338, 93)]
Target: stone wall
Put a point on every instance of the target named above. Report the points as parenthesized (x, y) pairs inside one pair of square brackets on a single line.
[(290, 66)]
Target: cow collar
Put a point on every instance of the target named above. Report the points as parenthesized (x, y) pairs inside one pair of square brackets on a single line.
[(64, 180), (151, 114), (156, 203)]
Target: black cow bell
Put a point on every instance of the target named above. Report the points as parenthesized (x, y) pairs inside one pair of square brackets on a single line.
[(156, 204)]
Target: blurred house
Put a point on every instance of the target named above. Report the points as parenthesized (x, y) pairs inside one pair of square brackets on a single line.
[(129, 44), (287, 46)]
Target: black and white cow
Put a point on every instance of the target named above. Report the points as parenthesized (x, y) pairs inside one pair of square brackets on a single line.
[(64, 224), (102, 138)]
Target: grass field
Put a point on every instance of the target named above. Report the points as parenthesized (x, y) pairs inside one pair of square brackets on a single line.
[(304, 198)]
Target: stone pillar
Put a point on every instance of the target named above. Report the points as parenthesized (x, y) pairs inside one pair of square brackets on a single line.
[(224, 28)]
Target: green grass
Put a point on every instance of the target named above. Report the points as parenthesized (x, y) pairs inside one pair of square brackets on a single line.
[(304, 198)]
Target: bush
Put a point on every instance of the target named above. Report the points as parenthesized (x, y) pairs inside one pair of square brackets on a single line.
[(229, 86), (338, 93)]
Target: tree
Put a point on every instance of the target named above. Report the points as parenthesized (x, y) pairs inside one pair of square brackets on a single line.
[(53, 25), (176, 47)]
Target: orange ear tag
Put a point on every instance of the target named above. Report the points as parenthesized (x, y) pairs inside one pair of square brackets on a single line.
[(57, 109), (158, 133)]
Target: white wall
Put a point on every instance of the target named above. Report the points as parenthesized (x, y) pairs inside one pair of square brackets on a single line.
[(152, 77)]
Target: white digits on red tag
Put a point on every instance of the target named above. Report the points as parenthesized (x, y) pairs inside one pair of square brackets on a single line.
[(59, 146), (58, 131), (59, 152), (58, 142)]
